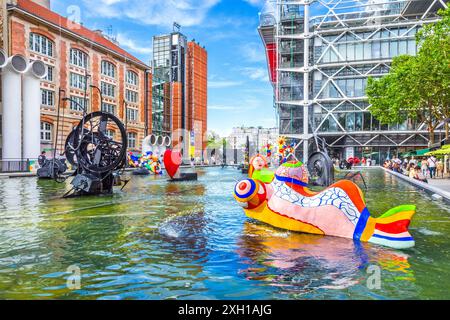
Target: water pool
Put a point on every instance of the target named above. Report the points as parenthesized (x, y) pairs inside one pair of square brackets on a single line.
[(160, 240)]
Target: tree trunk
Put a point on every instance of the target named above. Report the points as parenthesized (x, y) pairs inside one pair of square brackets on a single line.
[(431, 135), (446, 131)]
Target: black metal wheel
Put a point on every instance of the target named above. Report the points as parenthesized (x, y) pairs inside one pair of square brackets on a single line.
[(92, 148)]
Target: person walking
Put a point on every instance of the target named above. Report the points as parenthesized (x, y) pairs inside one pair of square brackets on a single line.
[(424, 167), (432, 166), (440, 169)]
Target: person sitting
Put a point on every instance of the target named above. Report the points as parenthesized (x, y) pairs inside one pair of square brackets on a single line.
[(418, 175), (42, 158)]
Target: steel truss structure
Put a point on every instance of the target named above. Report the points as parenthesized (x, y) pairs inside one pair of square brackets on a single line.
[(320, 54)]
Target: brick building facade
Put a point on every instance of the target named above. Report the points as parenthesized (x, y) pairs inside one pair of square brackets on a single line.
[(70, 50)]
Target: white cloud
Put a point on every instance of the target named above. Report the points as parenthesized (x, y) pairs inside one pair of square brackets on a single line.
[(223, 84), (253, 52), (155, 12), (256, 3), (132, 45), (256, 73)]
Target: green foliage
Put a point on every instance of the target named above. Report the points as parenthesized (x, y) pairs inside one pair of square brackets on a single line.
[(417, 87)]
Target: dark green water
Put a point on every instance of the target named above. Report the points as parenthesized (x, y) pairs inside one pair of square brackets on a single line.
[(160, 240)]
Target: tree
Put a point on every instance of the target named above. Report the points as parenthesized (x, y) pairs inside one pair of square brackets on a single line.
[(417, 87)]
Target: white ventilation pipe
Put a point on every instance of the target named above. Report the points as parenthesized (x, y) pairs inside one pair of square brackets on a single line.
[(3, 59), (148, 143), (36, 71), (12, 112), (167, 141)]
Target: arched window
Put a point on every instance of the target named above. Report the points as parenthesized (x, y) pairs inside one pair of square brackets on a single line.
[(132, 78), (46, 132), (108, 69), (41, 44), (78, 58)]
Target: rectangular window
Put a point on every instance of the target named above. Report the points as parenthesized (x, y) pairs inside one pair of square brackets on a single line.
[(46, 132), (376, 49), (132, 114), (107, 107), (359, 51), (49, 76), (393, 49), (385, 49), (78, 103), (367, 51), (367, 120), (350, 52), (108, 89), (402, 47), (412, 47), (47, 97), (131, 140), (77, 81), (131, 96), (110, 134)]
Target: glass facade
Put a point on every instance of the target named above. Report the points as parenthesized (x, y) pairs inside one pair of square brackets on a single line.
[(349, 41)]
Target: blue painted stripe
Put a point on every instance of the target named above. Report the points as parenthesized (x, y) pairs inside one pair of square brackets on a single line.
[(291, 180), (252, 189), (361, 225), (392, 238)]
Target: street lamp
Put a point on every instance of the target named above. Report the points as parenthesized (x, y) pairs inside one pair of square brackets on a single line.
[(101, 95)]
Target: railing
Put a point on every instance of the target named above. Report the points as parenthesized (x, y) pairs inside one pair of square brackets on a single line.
[(11, 166)]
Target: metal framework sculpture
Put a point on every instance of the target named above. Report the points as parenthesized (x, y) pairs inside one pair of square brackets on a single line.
[(95, 154), (320, 54)]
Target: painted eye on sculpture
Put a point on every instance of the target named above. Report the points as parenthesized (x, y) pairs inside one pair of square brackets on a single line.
[(243, 187)]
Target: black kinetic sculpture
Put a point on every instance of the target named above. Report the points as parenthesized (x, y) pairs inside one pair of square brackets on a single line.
[(96, 148)]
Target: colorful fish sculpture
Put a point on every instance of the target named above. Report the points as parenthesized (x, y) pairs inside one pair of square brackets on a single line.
[(339, 210)]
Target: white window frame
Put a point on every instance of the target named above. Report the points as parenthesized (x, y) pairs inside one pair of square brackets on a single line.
[(132, 78), (108, 107), (47, 97), (41, 44), (79, 58), (131, 139), (46, 130), (108, 69), (77, 81), (132, 114), (108, 89), (131, 96), (75, 107)]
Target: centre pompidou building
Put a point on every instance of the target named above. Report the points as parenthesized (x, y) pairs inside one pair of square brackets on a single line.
[(320, 54)]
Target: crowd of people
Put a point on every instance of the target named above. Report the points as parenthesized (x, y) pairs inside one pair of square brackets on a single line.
[(420, 169)]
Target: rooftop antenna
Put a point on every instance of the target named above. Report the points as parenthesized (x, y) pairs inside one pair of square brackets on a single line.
[(110, 33), (176, 27)]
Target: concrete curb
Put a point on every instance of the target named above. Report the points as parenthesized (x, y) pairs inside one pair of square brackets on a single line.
[(435, 192)]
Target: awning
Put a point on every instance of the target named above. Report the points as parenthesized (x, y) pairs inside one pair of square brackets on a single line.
[(422, 152)]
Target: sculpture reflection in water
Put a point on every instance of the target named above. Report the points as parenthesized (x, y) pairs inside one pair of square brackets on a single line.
[(287, 260)]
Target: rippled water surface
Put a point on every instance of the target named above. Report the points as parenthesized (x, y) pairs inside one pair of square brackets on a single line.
[(160, 240)]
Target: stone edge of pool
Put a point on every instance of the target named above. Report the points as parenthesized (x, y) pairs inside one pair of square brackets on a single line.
[(421, 185), (7, 175)]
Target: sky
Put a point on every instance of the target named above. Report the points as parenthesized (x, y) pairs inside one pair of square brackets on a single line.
[(239, 92)]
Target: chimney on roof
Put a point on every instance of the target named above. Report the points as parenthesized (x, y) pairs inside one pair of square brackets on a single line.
[(99, 32), (44, 3)]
